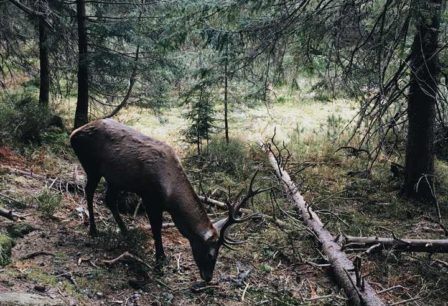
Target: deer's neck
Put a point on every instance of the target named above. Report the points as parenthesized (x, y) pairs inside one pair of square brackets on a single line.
[(188, 213)]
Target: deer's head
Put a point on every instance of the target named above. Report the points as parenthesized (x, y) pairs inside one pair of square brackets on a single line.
[(206, 248)]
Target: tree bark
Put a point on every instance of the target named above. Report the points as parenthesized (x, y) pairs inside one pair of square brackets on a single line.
[(419, 163), (226, 102), (41, 14), (82, 104), (358, 291), (44, 85)]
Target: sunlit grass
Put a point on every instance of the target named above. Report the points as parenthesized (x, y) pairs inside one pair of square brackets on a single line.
[(246, 124)]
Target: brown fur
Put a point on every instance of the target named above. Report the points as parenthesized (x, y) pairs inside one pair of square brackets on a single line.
[(131, 161)]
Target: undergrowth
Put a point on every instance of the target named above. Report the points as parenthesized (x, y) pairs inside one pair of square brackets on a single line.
[(48, 202), (21, 118), (221, 165), (353, 199), (6, 244)]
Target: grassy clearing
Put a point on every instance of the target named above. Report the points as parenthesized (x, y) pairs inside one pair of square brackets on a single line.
[(287, 110), (247, 124)]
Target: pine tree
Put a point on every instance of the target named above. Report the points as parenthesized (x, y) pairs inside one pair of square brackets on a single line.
[(201, 118)]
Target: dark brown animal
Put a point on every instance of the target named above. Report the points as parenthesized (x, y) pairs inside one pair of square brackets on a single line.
[(131, 161)]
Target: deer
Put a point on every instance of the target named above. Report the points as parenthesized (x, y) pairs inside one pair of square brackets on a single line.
[(131, 161)]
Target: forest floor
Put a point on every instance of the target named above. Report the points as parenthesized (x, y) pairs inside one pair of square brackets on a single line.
[(52, 255)]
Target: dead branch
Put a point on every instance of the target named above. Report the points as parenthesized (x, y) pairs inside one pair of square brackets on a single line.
[(441, 262), (343, 268), (407, 301), (203, 286), (56, 183), (35, 254), (356, 152), (392, 288), (126, 256), (217, 203), (9, 214), (222, 205), (401, 245), (132, 80), (68, 276), (32, 12)]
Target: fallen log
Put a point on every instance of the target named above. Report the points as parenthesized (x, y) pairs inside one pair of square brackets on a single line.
[(9, 214), (401, 245), (358, 291)]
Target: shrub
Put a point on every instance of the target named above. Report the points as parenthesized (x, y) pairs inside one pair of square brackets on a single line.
[(225, 164), (281, 100), (19, 230), (48, 202), (6, 244), (21, 118), (334, 127)]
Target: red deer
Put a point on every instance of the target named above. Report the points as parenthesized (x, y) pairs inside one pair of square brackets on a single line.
[(131, 161)]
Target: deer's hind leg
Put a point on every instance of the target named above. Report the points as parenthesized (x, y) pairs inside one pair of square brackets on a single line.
[(92, 183), (111, 202)]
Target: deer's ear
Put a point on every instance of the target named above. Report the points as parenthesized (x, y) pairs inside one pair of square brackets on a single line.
[(219, 224)]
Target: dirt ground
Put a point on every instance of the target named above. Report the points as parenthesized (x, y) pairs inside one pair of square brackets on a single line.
[(55, 257)]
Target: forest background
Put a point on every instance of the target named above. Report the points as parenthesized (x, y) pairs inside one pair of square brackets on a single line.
[(354, 91)]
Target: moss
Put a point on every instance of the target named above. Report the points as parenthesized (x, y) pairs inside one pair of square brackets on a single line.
[(41, 277), (6, 244), (441, 171), (19, 230)]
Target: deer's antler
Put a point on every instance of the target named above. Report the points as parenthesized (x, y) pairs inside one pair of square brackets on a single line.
[(223, 225)]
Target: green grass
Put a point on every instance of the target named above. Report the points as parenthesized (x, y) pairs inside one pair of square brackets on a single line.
[(19, 230), (6, 244), (48, 202)]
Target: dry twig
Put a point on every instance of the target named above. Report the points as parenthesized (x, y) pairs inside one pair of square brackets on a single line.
[(35, 254), (126, 256)]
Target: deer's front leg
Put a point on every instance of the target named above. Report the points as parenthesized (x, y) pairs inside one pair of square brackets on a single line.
[(111, 202)]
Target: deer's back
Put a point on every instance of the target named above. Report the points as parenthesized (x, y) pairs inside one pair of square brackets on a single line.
[(126, 158)]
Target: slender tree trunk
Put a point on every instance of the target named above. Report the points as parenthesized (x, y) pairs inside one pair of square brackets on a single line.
[(82, 104), (44, 85), (419, 164), (226, 121), (198, 143)]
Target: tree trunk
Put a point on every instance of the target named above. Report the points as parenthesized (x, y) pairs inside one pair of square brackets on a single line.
[(82, 104), (198, 144), (44, 85), (226, 121), (419, 164)]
